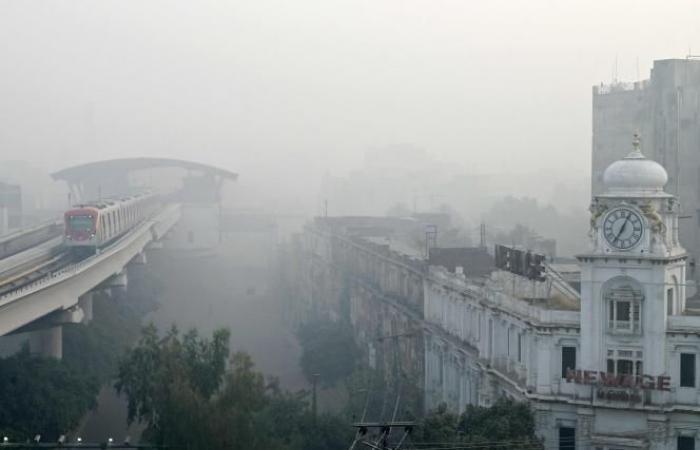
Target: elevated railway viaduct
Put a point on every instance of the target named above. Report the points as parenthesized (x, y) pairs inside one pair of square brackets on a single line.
[(41, 289)]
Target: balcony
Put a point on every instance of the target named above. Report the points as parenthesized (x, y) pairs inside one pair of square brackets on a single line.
[(688, 323)]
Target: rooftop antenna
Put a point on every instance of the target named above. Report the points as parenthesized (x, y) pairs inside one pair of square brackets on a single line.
[(638, 77)]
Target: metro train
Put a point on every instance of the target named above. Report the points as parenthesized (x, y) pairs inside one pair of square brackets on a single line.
[(93, 225)]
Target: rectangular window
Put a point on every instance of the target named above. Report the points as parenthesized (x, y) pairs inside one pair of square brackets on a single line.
[(568, 359), (623, 311), (520, 347), (508, 342), (624, 367), (478, 326), (624, 315), (567, 438), (686, 443), (669, 301), (625, 362), (490, 338), (687, 369), (80, 223)]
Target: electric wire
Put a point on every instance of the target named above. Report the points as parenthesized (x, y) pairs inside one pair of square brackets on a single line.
[(370, 385)]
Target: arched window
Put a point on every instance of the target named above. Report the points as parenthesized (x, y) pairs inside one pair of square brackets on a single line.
[(623, 297)]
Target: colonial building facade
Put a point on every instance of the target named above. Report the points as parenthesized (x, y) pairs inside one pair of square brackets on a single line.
[(613, 367)]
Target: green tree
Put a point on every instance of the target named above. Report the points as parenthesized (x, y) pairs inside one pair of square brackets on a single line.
[(506, 420), (182, 388), (292, 425), (42, 396), (95, 348), (441, 425), (504, 423), (328, 349), (170, 382)]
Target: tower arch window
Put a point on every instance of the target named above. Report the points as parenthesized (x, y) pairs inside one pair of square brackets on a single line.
[(669, 301), (623, 298)]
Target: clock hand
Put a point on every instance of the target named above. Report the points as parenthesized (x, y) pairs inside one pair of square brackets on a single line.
[(622, 228)]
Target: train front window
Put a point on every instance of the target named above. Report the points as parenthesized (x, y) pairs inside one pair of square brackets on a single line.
[(81, 223)]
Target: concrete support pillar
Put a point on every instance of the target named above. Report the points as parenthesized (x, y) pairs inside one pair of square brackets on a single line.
[(85, 303), (139, 259), (119, 280), (658, 431), (584, 427), (47, 342)]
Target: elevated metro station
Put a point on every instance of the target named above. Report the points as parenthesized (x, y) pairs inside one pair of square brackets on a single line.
[(39, 292)]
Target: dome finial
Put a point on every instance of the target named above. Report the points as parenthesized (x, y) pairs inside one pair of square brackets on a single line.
[(636, 144)]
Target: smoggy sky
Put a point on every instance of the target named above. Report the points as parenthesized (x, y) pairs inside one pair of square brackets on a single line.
[(294, 88)]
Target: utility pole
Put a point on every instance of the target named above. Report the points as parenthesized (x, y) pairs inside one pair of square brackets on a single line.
[(384, 429)]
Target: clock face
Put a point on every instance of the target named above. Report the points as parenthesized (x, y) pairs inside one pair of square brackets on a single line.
[(623, 228)]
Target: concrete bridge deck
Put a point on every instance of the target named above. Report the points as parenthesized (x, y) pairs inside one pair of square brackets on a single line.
[(61, 290)]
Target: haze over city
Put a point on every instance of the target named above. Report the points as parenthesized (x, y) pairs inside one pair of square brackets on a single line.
[(350, 224), (286, 91)]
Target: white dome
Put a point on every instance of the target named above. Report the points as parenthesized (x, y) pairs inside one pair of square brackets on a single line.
[(635, 174)]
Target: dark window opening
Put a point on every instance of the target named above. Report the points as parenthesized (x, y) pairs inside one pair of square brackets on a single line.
[(567, 438), (687, 369), (624, 367), (568, 360), (686, 442)]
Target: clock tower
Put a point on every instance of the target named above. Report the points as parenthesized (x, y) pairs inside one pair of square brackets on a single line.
[(633, 276)]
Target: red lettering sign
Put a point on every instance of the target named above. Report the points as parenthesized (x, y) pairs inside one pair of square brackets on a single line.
[(663, 383), (648, 382), (590, 377)]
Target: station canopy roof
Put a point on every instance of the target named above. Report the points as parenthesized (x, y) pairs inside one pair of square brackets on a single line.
[(91, 170)]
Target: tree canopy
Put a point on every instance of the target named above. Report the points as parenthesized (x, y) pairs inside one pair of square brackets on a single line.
[(505, 422), (49, 397), (190, 394), (42, 396), (328, 349)]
